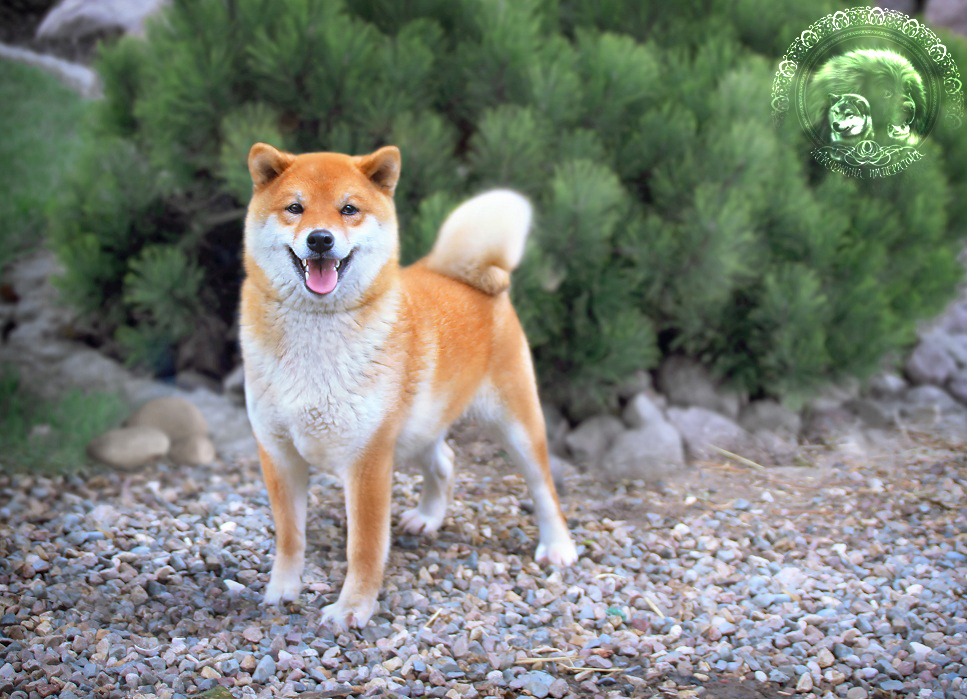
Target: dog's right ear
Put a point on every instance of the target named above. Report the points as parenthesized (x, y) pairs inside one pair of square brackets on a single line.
[(265, 163), (833, 98)]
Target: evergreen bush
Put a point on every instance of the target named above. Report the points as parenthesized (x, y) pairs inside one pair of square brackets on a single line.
[(672, 218)]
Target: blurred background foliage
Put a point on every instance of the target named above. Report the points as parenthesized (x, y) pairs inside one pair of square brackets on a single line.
[(671, 217)]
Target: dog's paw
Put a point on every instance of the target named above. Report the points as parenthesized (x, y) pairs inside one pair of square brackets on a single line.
[(344, 615), (557, 553), (282, 588), (415, 522)]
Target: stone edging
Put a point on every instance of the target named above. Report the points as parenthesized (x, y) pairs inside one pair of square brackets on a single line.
[(74, 75)]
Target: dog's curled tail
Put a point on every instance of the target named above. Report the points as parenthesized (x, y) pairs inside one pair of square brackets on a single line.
[(482, 240)]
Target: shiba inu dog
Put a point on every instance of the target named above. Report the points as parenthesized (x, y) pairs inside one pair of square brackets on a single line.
[(849, 119), (352, 362)]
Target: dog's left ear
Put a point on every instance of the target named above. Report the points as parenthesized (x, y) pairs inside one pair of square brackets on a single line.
[(832, 98), (382, 167)]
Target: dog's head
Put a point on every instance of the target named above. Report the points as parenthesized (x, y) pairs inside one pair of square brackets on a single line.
[(321, 226), (897, 96), (848, 113)]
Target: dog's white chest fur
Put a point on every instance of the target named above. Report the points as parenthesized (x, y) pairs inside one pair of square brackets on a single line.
[(322, 392)]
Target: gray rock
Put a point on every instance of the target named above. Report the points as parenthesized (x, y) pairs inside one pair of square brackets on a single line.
[(265, 670), (537, 683), (832, 397), (78, 77), (642, 411), (233, 385), (129, 447), (702, 429), (644, 453), (954, 344), (193, 450), (887, 385), (770, 416), (561, 471), (73, 19), (189, 381), (957, 386), (686, 382), (930, 362), (929, 402), (955, 318), (777, 448), (556, 426), (823, 424), (639, 382), (875, 413), (592, 438), (176, 417)]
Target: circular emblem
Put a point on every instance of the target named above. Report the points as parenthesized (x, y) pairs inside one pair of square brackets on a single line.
[(867, 86)]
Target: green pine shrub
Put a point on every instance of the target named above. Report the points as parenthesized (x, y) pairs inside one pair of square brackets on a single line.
[(671, 217)]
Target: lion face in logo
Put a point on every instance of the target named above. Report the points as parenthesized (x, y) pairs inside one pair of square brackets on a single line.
[(849, 119)]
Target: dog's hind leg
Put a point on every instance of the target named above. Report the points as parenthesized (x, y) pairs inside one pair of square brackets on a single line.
[(287, 480), (514, 409), (437, 464)]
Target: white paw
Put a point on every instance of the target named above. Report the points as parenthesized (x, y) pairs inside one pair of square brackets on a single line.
[(557, 553), (282, 588), (345, 615), (415, 522)]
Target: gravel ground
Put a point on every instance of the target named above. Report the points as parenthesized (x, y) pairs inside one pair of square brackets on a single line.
[(843, 578)]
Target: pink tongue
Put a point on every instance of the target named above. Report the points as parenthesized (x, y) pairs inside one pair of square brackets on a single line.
[(322, 276)]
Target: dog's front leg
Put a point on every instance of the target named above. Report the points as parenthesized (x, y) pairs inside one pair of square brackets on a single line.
[(368, 486), (287, 481)]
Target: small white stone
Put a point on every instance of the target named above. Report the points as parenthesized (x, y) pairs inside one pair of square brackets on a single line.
[(233, 586), (918, 650), (805, 683)]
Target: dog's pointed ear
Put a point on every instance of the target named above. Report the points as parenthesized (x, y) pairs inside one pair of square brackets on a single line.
[(382, 168), (265, 163), (832, 98)]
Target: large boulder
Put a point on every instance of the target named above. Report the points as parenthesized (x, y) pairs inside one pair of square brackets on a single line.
[(688, 383), (770, 416), (931, 362), (887, 385), (176, 417), (644, 453), (641, 411), (195, 450), (74, 19), (129, 447), (958, 386), (556, 426), (703, 429), (589, 441), (929, 403)]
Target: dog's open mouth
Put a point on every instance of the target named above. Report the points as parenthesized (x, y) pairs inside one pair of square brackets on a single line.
[(321, 274)]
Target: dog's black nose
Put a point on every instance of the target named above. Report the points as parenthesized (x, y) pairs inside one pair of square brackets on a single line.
[(321, 241)]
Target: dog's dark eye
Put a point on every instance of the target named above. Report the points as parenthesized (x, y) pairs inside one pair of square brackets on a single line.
[(294, 208), (348, 210)]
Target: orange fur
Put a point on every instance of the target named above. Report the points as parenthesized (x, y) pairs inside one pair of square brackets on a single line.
[(377, 368)]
